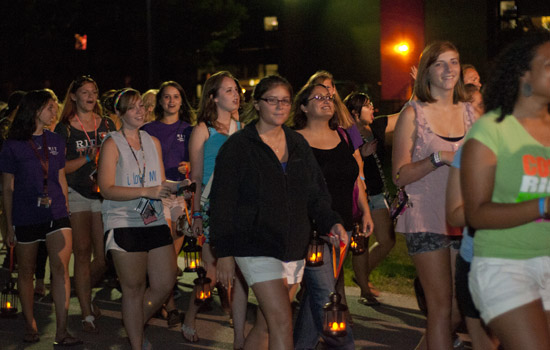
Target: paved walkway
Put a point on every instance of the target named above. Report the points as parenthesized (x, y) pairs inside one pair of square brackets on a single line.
[(396, 324)]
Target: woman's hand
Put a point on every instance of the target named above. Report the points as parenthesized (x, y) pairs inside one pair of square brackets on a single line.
[(368, 224), (184, 168), (338, 233), (369, 148), (10, 237), (225, 271), (158, 192), (196, 227), (447, 157)]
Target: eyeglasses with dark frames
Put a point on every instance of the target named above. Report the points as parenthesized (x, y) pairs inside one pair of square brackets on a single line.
[(320, 98), (274, 101)]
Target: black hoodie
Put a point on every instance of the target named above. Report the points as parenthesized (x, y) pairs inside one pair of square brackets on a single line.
[(256, 208)]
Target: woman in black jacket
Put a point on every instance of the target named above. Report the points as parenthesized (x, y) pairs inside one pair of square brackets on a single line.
[(260, 211)]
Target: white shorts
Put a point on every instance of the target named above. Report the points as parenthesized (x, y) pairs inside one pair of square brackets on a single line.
[(257, 269), (78, 203), (500, 285), (173, 207)]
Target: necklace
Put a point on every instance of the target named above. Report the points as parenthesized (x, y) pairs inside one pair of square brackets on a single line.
[(273, 146)]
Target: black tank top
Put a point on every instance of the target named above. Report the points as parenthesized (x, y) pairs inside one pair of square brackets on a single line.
[(340, 170)]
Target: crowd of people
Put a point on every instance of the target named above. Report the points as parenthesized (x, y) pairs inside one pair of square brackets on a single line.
[(127, 179)]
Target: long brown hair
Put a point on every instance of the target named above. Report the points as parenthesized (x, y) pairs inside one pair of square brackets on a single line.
[(208, 111), (69, 106), (345, 119), (428, 57)]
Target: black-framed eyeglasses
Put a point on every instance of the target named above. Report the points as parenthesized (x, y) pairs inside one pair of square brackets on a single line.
[(274, 101), (321, 98)]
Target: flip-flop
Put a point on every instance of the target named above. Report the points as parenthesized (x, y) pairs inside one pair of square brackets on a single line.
[(68, 341), (189, 333), (31, 338)]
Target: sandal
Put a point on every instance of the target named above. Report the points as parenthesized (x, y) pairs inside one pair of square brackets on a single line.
[(96, 311), (31, 337), (173, 318), (68, 340), (373, 290), (189, 334), (88, 324), (368, 300)]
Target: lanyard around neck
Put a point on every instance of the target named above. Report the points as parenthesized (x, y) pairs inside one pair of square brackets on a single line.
[(141, 174), (86, 133), (44, 162)]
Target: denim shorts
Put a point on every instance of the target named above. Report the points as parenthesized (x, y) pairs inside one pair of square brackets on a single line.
[(500, 285), (257, 269), (425, 242), (378, 201)]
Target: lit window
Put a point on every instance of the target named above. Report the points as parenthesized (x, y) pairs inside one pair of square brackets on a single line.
[(271, 24)]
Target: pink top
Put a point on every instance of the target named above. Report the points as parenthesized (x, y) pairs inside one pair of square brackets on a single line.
[(427, 195)]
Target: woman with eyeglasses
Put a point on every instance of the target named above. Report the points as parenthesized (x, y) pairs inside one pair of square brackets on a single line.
[(172, 128), (428, 133), (32, 161), (260, 210), (217, 119), (132, 181), (314, 117), (83, 129)]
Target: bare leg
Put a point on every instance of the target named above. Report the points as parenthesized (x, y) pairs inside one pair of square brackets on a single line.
[(434, 270), (98, 266), (81, 223), (361, 269), (131, 269), (210, 266), (178, 242), (26, 258), (275, 317), (385, 238), (59, 246), (456, 317), (238, 307), (525, 327), (161, 269), (481, 340)]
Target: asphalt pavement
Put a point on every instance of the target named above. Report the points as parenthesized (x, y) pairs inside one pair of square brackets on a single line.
[(395, 324)]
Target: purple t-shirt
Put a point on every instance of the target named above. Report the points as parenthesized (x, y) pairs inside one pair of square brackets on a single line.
[(18, 158), (355, 136), (174, 141)]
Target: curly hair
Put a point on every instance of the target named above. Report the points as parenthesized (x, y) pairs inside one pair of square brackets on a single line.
[(298, 118), (502, 89)]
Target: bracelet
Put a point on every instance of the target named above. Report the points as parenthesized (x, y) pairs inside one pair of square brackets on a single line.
[(542, 205), (88, 159), (362, 178), (197, 214), (435, 158)]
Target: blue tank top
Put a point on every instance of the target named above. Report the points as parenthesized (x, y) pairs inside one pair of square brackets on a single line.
[(211, 149)]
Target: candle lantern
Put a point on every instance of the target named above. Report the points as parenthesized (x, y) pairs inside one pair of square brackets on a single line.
[(202, 287), (334, 322), (357, 245), (193, 254), (9, 298), (315, 251)]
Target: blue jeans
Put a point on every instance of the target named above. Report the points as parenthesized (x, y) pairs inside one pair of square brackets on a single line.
[(319, 283)]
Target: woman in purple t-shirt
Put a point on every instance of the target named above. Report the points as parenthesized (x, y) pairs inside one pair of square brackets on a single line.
[(172, 128), (33, 165)]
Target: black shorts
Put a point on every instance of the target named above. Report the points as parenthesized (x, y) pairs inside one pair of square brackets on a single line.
[(463, 296), (38, 232), (138, 239)]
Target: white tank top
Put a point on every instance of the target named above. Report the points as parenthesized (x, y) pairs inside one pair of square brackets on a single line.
[(117, 214)]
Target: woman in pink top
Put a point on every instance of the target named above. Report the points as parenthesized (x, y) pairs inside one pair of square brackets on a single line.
[(427, 135)]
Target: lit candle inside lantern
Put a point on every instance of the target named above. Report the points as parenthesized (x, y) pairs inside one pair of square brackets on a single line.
[(353, 244), (8, 305), (334, 326), (192, 264)]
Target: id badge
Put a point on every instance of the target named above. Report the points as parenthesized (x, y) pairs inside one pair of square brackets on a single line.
[(146, 210), (44, 202)]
